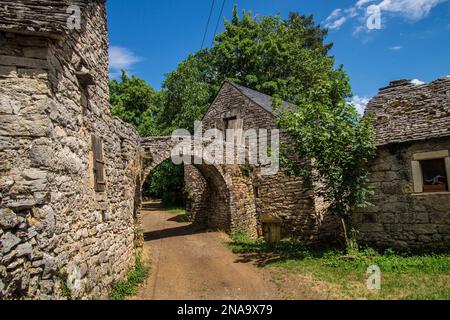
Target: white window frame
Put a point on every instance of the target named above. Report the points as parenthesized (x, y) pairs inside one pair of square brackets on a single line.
[(417, 168)]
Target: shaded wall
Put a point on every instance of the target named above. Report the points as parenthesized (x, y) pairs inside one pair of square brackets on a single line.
[(55, 228), (399, 217)]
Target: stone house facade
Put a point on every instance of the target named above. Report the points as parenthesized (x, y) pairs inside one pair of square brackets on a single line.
[(68, 169), (411, 202), (259, 199)]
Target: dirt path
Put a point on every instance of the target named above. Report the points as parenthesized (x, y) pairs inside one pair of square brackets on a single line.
[(191, 264)]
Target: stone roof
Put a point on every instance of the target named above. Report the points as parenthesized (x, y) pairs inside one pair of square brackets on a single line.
[(263, 100), (405, 111), (41, 17)]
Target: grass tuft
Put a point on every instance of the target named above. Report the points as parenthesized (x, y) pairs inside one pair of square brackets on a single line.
[(136, 277)]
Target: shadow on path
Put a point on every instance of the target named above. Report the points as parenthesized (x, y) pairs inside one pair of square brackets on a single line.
[(173, 232)]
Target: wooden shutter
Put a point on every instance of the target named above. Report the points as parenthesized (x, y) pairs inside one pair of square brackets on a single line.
[(99, 164)]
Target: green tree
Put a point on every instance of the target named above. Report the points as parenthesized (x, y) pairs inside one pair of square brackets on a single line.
[(253, 52), (135, 102), (288, 59), (166, 182)]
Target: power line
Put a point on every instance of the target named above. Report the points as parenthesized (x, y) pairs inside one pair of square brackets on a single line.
[(207, 24), (218, 21)]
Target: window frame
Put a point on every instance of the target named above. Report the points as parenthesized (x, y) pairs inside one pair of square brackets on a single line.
[(417, 172)]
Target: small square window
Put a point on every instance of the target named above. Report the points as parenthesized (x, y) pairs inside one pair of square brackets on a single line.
[(231, 123), (434, 175)]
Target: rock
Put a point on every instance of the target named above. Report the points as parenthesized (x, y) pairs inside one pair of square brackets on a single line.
[(49, 263), (8, 219), (25, 249), (44, 218), (9, 257), (41, 153), (8, 242), (348, 258)]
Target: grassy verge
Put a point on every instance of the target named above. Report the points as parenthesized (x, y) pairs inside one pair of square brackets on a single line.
[(129, 287), (404, 276), (177, 211), (180, 214)]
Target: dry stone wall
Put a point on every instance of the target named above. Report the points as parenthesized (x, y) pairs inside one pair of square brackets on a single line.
[(409, 119), (398, 217), (56, 230)]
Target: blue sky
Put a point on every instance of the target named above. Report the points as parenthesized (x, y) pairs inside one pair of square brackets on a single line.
[(149, 38)]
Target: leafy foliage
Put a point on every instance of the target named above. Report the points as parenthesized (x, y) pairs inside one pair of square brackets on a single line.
[(258, 53), (135, 102), (166, 182)]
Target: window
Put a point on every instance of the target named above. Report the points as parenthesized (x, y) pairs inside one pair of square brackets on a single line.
[(99, 164), (233, 123), (434, 175), (431, 171)]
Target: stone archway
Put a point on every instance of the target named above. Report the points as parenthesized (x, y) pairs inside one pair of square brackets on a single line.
[(215, 201)]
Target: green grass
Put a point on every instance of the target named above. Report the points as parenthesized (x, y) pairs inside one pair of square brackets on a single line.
[(177, 211), (180, 214), (130, 286), (404, 276)]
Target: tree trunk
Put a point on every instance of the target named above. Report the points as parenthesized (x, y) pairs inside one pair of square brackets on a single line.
[(344, 228)]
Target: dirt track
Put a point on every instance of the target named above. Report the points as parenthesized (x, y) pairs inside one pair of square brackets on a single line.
[(188, 263)]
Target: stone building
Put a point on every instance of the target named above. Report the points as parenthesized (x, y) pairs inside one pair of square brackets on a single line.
[(257, 199), (68, 169), (71, 174), (411, 201)]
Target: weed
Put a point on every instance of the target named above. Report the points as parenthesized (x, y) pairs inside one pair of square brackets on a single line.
[(129, 287)]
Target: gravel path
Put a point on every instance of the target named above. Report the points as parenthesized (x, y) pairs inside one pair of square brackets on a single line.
[(191, 264)]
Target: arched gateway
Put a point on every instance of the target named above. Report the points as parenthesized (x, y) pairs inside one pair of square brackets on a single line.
[(213, 194)]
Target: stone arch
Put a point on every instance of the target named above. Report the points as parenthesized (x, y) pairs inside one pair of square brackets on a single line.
[(218, 197)]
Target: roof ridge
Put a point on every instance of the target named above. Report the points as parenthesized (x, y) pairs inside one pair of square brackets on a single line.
[(262, 99)]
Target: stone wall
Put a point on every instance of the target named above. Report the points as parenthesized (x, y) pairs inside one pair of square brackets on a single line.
[(55, 228), (254, 195), (209, 200), (410, 119), (399, 217)]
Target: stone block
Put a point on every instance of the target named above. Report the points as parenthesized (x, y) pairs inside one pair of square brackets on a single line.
[(8, 242), (371, 227), (8, 72), (35, 52), (25, 249), (24, 125), (8, 219), (444, 229), (421, 217), (439, 217), (23, 62), (421, 229)]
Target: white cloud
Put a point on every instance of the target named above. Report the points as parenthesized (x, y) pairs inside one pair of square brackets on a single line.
[(361, 3), (395, 48), (335, 20), (121, 58), (360, 104), (417, 82), (336, 24), (412, 10)]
